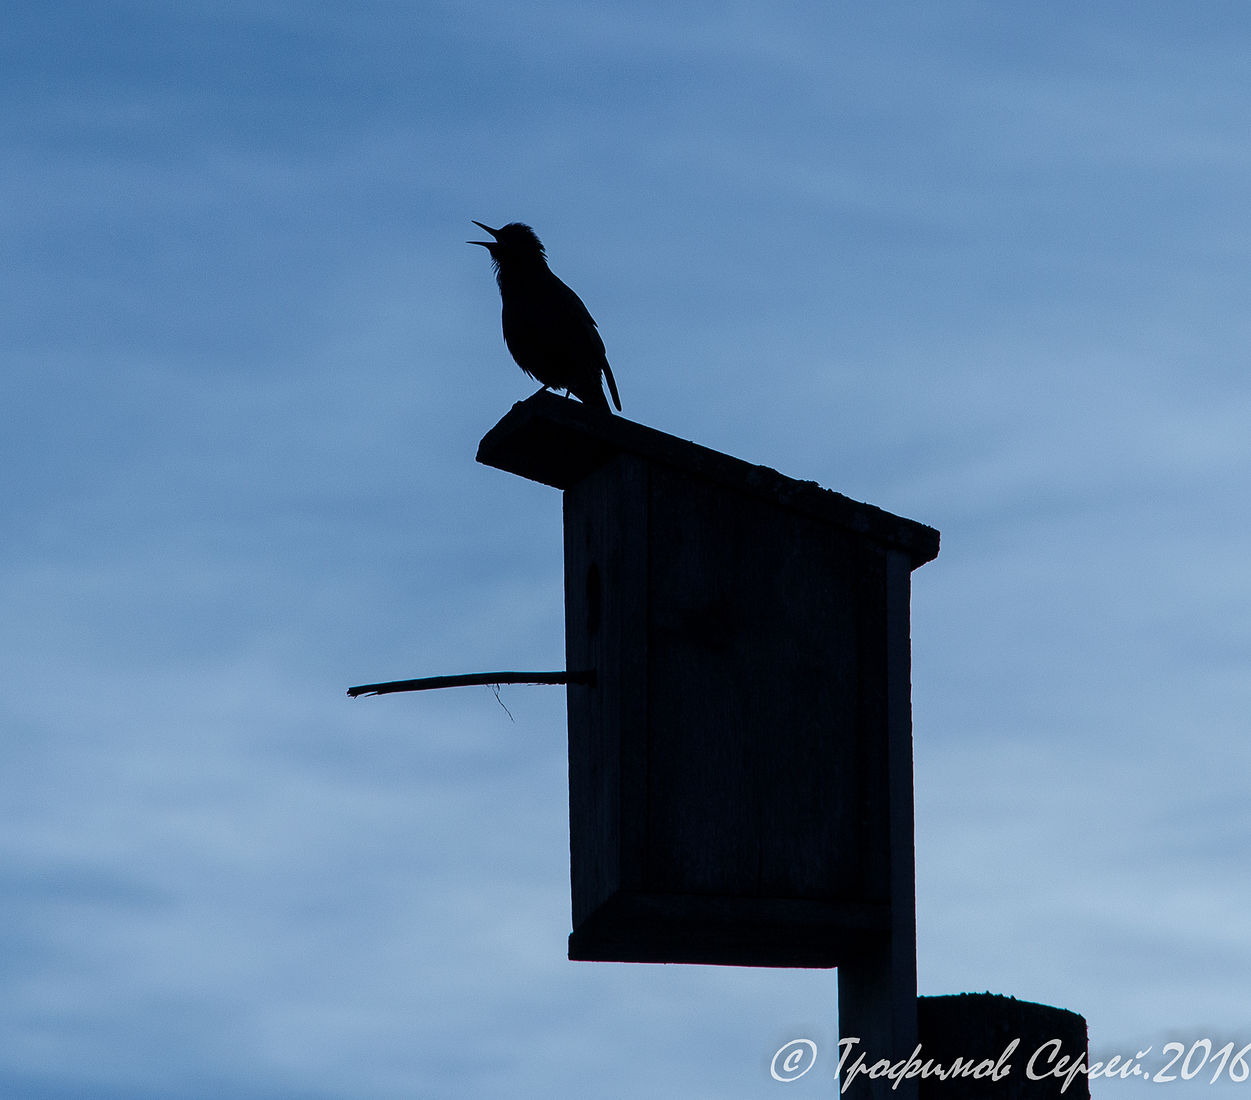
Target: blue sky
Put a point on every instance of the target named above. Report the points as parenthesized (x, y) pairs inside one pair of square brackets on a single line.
[(984, 265)]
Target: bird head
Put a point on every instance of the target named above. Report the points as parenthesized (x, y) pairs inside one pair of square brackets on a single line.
[(514, 243)]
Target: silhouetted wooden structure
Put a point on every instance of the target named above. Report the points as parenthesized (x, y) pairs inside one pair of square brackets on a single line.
[(1033, 1046), (740, 768)]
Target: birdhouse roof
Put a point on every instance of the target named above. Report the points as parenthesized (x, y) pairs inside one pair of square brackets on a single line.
[(557, 441)]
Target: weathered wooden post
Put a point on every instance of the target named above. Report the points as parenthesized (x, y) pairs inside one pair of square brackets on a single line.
[(1039, 1051), (740, 762)]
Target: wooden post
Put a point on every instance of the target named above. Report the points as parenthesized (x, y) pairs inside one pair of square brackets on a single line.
[(877, 988), (1039, 1051)]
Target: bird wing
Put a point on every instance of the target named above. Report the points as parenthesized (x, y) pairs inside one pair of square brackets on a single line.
[(574, 322), (595, 343), (571, 304)]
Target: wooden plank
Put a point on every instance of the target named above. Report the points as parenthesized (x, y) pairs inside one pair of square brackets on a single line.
[(605, 630), (772, 932), (877, 986), (558, 441), (754, 743)]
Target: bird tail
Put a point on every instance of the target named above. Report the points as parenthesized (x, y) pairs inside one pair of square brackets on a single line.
[(612, 385)]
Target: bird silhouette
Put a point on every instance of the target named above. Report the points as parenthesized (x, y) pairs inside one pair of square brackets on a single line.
[(548, 330)]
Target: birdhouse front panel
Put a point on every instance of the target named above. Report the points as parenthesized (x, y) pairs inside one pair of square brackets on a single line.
[(730, 761)]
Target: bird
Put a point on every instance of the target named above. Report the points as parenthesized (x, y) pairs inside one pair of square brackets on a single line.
[(547, 329)]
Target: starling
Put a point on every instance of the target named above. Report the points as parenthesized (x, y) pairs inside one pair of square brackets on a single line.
[(548, 330)]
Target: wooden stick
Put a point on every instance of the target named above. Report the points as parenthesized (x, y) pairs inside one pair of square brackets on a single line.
[(475, 679)]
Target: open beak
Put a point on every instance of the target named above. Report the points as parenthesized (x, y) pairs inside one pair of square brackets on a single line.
[(486, 244)]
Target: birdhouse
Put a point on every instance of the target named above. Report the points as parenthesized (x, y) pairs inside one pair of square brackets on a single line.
[(740, 753)]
